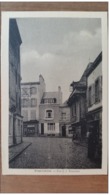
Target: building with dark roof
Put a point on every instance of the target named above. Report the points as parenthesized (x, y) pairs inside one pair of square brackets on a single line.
[(15, 118), (77, 103), (94, 108)]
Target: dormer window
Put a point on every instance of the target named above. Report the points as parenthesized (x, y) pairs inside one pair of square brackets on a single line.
[(49, 101)]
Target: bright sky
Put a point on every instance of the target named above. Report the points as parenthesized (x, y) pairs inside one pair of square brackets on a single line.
[(59, 49)]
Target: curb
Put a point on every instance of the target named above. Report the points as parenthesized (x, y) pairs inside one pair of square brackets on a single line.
[(13, 158)]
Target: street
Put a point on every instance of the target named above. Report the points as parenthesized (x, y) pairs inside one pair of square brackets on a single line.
[(51, 152)]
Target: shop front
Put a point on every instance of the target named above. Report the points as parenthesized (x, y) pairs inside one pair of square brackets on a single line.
[(30, 128)]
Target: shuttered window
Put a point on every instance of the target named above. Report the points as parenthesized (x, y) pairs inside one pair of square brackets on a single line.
[(25, 115), (98, 89), (33, 114)]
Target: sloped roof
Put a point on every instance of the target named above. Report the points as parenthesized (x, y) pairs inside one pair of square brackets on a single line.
[(64, 104)]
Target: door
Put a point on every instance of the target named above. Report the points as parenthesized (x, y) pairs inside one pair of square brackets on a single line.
[(42, 128), (64, 131)]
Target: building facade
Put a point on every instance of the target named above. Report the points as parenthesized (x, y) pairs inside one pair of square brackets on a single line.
[(15, 118), (32, 93), (49, 113), (94, 105), (77, 102), (65, 120)]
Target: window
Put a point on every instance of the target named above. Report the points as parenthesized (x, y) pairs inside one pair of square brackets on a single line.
[(33, 102), (25, 115), (49, 101), (89, 95), (25, 91), (75, 109), (63, 115), (97, 91), (48, 113), (19, 126), (33, 114), (51, 126), (10, 124), (33, 90), (25, 102)]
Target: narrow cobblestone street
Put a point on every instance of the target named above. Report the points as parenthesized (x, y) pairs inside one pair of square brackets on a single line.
[(51, 152)]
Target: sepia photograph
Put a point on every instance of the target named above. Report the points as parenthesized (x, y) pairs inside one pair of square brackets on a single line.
[(56, 66)]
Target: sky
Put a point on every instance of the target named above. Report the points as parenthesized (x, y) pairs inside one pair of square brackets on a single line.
[(59, 49)]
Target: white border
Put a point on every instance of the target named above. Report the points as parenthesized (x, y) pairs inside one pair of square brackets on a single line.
[(5, 94)]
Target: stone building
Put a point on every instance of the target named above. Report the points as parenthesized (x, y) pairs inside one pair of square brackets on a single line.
[(32, 93), (15, 118), (94, 103), (49, 113), (65, 120), (77, 103)]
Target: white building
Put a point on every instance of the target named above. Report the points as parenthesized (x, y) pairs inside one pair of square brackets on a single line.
[(31, 94), (49, 114)]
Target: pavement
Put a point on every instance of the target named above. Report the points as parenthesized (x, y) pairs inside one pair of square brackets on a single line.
[(47, 152), (81, 143), (15, 151)]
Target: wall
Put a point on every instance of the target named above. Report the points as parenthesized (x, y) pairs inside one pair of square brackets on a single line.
[(40, 90), (67, 111), (44, 107), (15, 124)]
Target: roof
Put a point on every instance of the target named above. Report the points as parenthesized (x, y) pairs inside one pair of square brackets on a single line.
[(14, 29), (95, 64), (47, 95), (64, 104), (31, 83)]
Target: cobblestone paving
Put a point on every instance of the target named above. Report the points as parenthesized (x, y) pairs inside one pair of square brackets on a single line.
[(47, 152)]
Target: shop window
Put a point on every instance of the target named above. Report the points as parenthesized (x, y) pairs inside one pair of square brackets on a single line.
[(51, 126)]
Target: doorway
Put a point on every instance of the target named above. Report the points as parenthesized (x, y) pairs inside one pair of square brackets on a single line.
[(42, 128), (64, 131)]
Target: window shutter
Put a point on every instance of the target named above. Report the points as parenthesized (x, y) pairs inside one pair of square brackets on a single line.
[(100, 88), (93, 93), (87, 95)]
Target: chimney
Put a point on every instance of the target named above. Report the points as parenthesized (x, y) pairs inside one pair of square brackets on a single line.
[(59, 88), (60, 95)]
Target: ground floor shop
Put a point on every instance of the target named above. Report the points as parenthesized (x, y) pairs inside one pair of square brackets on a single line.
[(79, 130), (65, 130), (15, 129), (49, 129), (31, 128), (94, 129)]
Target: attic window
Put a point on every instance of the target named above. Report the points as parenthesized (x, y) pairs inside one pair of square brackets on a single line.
[(49, 101)]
